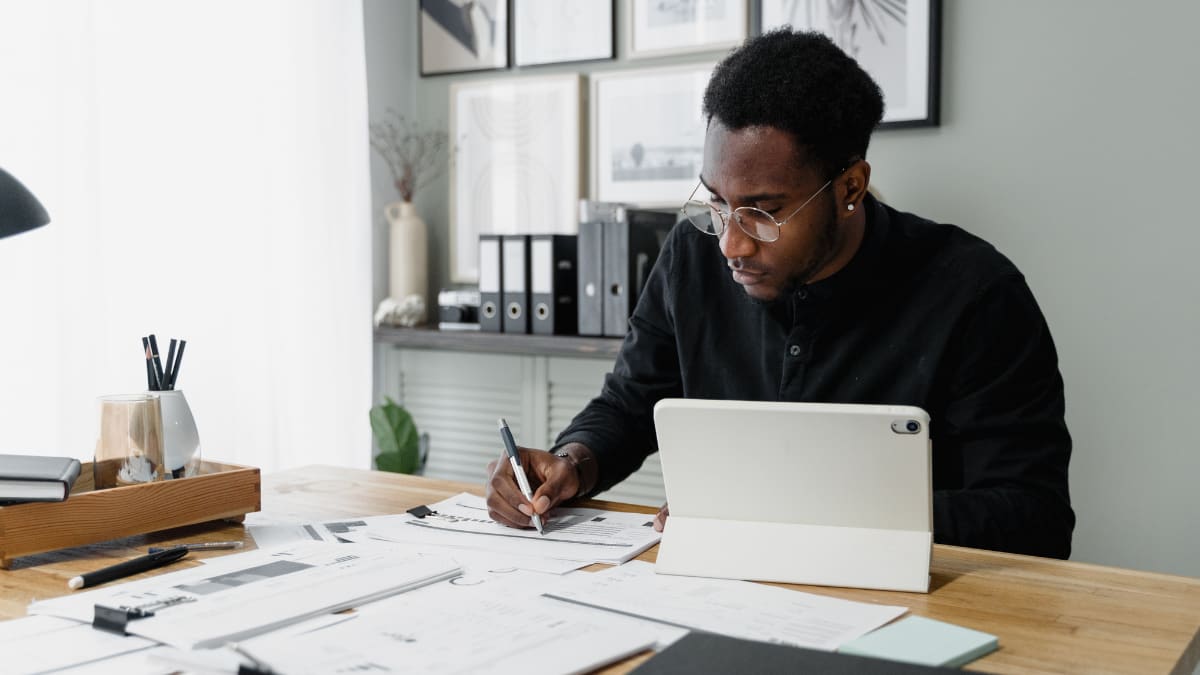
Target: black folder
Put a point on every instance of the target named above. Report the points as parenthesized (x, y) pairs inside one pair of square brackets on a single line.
[(490, 274), (514, 287), (553, 280), (698, 653), (591, 277), (631, 244)]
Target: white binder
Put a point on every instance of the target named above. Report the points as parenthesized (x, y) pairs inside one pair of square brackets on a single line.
[(809, 493)]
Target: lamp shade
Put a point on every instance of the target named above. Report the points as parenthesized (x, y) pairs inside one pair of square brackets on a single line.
[(19, 209)]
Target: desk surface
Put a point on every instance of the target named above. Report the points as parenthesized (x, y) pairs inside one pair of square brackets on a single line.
[(1051, 616)]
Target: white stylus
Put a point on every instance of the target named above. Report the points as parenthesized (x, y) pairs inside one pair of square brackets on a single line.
[(514, 458)]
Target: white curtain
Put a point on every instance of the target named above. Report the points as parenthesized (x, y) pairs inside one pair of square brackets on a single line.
[(205, 166)]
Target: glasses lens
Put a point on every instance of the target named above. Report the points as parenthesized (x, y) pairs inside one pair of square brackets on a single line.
[(757, 224), (703, 217)]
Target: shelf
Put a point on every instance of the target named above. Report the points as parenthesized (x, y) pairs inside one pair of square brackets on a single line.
[(500, 343)]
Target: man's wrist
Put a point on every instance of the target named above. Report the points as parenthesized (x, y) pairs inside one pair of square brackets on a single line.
[(584, 461)]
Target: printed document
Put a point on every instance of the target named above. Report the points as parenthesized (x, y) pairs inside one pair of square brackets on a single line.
[(736, 608), (40, 644), (586, 535), (247, 594), (475, 633)]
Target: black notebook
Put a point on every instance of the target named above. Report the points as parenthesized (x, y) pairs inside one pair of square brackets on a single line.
[(29, 478), (697, 653)]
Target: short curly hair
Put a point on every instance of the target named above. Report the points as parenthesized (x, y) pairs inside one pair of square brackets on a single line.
[(802, 83)]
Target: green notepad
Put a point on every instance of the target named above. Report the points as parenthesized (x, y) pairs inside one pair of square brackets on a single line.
[(915, 639)]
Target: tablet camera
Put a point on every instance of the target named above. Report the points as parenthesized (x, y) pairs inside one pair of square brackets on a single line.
[(906, 426)]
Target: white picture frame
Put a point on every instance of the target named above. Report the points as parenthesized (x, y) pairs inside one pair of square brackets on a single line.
[(516, 166), (662, 27), (647, 134), (896, 41), (560, 31)]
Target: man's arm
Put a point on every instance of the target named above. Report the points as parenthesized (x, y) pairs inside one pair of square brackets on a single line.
[(1004, 420), (617, 427)]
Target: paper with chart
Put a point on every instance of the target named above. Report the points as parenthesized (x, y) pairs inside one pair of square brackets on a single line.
[(479, 632), (586, 535), (737, 608), (247, 594)]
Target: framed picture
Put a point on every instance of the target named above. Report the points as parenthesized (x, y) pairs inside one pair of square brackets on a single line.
[(658, 27), (457, 36), (516, 164), (556, 31), (897, 41), (647, 140)]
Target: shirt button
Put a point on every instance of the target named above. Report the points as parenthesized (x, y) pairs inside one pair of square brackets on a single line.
[(794, 350), (802, 294)]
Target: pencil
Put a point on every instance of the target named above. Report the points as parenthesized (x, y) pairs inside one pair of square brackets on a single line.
[(170, 368), (149, 365), (158, 371), (175, 369)]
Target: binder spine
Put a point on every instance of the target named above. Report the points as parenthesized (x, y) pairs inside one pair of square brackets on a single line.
[(590, 278), (490, 274), (553, 260), (514, 289)]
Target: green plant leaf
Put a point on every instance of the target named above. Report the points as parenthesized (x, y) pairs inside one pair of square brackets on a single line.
[(397, 436)]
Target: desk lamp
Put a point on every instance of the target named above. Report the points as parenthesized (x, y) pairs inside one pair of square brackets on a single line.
[(19, 209)]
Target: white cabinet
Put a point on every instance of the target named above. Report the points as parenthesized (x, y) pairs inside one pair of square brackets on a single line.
[(456, 397)]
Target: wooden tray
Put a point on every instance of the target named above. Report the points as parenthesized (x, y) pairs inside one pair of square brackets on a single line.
[(220, 492)]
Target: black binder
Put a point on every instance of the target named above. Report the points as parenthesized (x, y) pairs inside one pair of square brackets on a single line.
[(514, 287), (591, 277), (553, 280), (631, 244), (490, 274)]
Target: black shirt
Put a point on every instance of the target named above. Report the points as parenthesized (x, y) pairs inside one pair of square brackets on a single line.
[(924, 314)]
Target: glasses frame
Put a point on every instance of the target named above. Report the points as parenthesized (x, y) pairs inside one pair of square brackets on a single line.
[(724, 217)]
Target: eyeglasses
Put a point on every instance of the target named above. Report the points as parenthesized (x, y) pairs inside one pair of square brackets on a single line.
[(755, 222)]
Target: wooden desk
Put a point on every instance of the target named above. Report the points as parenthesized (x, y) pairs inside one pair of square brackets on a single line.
[(1051, 616)]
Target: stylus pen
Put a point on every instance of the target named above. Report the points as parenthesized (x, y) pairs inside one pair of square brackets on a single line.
[(127, 568), (514, 458), (199, 546)]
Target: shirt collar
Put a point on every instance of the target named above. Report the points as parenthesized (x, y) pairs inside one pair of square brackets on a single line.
[(863, 268)]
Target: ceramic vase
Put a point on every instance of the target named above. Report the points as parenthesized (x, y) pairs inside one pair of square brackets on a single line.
[(181, 439), (407, 264)]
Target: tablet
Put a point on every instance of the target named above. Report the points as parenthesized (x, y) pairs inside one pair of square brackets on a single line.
[(815, 493)]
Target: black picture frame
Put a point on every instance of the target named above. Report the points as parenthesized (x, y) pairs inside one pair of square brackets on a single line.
[(862, 32), (456, 36)]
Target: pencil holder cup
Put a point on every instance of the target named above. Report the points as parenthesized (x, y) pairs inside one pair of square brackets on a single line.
[(181, 439), (129, 447)]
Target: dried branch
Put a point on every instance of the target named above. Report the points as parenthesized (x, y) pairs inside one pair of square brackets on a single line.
[(414, 157)]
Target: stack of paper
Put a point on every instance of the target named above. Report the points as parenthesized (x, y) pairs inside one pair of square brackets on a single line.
[(586, 535), (482, 632), (737, 608), (251, 593)]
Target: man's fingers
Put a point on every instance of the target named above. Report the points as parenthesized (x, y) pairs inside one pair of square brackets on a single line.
[(660, 518), (504, 497)]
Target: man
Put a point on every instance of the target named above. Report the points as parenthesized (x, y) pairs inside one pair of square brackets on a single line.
[(813, 290)]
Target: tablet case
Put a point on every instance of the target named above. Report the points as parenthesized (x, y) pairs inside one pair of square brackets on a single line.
[(808, 493)]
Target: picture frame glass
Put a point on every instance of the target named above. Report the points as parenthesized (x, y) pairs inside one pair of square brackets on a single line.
[(658, 27), (458, 36), (558, 31), (516, 163), (893, 40), (648, 134)]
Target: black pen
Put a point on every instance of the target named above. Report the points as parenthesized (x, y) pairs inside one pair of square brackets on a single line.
[(127, 568), (158, 369), (199, 546)]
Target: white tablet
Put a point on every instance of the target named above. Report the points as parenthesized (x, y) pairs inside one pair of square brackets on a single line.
[(816, 493)]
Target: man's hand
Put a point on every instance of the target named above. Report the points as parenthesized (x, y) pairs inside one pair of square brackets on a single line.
[(553, 479), (660, 519)]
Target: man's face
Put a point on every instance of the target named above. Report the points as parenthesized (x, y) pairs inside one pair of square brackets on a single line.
[(761, 167)]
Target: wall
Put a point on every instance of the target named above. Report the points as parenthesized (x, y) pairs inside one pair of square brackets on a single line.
[(1066, 141)]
